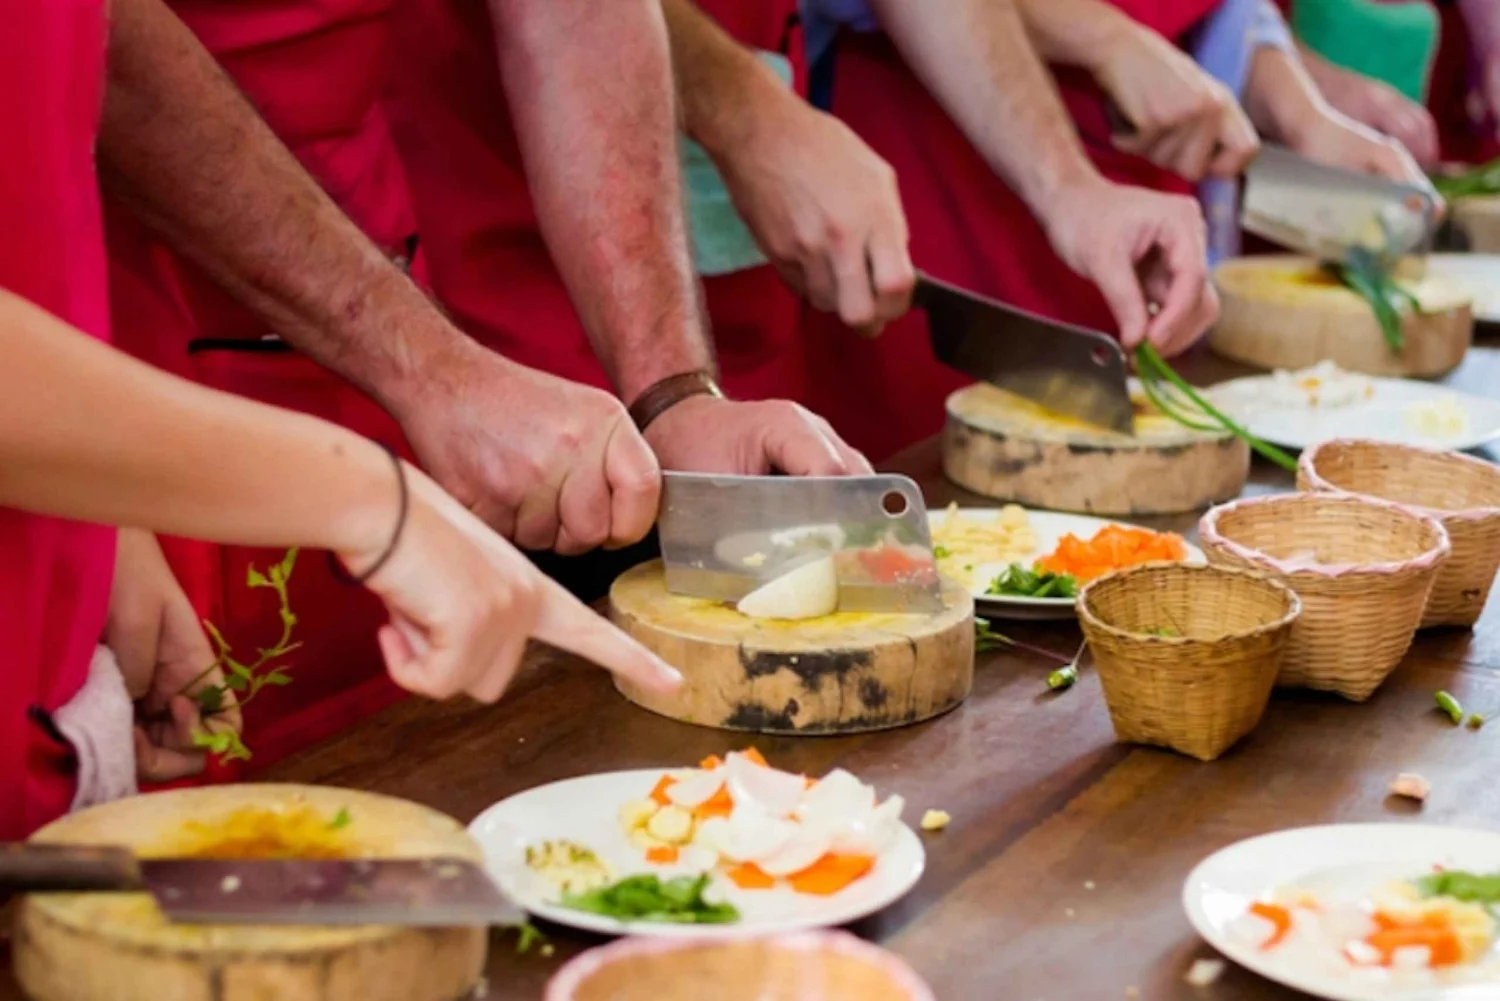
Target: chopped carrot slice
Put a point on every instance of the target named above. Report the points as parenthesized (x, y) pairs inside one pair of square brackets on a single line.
[(831, 873), (1442, 943), (755, 756), (749, 876), (711, 762), (720, 804), (659, 793), (661, 854), (1279, 916), (809, 783)]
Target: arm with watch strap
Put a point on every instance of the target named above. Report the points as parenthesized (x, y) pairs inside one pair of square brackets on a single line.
[(623, 252)]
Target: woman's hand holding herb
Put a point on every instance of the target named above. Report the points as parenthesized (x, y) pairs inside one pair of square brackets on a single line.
[(162, 651)]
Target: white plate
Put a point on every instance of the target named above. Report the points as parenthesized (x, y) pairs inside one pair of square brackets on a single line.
[(1382, 417), (1479, 274), (1351, 856), (1049, 527), (584, 810)]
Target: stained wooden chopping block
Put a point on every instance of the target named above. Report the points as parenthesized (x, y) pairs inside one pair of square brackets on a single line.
[(1285, 312), (119, 947), (842, 673), (1004, 447), (1479, 219)]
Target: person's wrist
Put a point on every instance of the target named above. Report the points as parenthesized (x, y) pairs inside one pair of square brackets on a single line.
[(744, 114), (1110, 41), (667, 394), (366, 510)]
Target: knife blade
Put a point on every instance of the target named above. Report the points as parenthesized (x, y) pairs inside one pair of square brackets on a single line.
[(430, 892), (724, 536), (1324, 211), (1067, 369)]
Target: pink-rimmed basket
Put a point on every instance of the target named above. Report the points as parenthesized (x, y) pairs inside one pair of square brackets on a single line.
[(803, 966), (1460, 491), (1362, 567)]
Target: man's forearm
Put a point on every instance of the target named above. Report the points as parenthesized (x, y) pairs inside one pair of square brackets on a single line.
[(975, 58), (88, 433), (590, 92), (1073, 32), (720, 83), (1280, 97), (182, 147)]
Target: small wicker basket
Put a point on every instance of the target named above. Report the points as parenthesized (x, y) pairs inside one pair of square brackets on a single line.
[(1458, 490), (1362, 567), (1203, 686)]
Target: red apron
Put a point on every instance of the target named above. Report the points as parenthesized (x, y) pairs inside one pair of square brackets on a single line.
[(967, 227), (485, 254), (315, 70), (54, 575)]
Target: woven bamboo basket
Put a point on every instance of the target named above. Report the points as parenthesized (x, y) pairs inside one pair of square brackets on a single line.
[(1460, 491), (1362, 567), (1204, 686)]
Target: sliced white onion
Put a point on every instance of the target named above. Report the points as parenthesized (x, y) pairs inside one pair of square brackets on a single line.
[(807, 592), (776, 792), (696, 788), (805, 847), (751, 834), (873, 833), (836, 799)]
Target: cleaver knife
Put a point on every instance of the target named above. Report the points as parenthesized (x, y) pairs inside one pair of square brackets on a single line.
[(445, 893), (1069, 370), (724, 536), (1324, 211)]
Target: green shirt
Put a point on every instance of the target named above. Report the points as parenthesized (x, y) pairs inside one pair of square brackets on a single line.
[(1393, 42)]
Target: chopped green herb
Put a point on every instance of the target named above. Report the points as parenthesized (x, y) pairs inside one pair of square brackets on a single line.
[(941, 552), (528, 935), (1171, 394), (1368, 275), (1018, 581), (341, 819), (1451, 706), (1063, 678), (1462, 886), (648, 898), (1481, 180), (1475, 721), (986, 638)]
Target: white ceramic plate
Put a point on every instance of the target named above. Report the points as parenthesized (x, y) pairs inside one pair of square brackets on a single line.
[(584, 810), (1383, 417), (1352, 857), (1049, 527), (1479, 274)]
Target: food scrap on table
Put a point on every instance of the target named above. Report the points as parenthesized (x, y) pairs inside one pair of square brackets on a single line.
[(760, 827), (936, 820), (1450, 706), (1112, 548), (1204, 972), (1410, 785)]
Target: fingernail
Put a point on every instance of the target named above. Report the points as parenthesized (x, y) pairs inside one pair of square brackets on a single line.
[(670, 676)]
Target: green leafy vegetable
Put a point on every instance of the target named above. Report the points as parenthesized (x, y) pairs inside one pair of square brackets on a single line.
[(1481, 180), (1368, 275), (1467, 887), (341, 819), (941, 552), (1451, 706), (986, 638), (528, 935), (1171, 394), (245, 680), (648, 898), (1034, 583)]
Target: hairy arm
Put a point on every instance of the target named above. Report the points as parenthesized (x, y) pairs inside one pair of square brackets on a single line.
[(182, 147), (602, 162), (88, 433), (1074, 32), (976, 59)]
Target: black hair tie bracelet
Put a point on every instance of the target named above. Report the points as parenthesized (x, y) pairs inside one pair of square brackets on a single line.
[(385, 557)]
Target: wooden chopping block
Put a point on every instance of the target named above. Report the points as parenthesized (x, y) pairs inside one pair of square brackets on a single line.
[(1479, 219), (1285, 312), (842, 673), (1002, 446), (119, 947)]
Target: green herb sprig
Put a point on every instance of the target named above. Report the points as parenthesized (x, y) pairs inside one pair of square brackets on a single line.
[(1018, 581), (649, 898), (1481, 180), (1160, 382), (245, 680), (1466, 887), (986, 639), (1368, 275)]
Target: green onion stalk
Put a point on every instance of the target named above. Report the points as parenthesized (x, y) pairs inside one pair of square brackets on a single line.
[(1160, 381)]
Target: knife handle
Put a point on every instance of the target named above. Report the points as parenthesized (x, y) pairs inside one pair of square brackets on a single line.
[(37, 868)]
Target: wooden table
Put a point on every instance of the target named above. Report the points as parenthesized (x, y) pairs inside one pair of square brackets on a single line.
[(1059, 878)]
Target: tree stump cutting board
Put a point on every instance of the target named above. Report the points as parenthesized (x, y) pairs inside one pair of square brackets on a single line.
[(1002, 446), (1479, 219), (119, 947), (842, 673), (1283, 312)]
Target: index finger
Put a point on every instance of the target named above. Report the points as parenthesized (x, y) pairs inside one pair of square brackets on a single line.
[(566, 623)]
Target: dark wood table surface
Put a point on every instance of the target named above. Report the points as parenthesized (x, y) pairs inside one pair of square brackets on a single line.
[(1060, 876)]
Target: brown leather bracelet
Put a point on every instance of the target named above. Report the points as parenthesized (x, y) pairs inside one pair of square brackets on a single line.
[(666, 394)]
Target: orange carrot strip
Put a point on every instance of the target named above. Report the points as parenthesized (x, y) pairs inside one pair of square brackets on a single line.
[(1278, 916), (1442, 943), (661, 854), (755, 756), (659, 793), (711, 762), (748, 876), (831, 873), (720, 804)]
